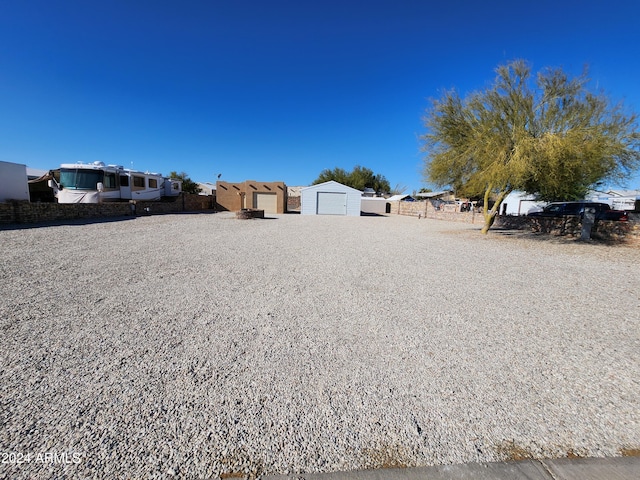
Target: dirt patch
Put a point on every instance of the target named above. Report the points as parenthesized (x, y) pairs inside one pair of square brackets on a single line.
[(630, 452), (509, 450), (386, 457), (571, 453)]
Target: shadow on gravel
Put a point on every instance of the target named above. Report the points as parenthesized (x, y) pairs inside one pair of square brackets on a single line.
[(558, 239), (57, 223), (91, 221)]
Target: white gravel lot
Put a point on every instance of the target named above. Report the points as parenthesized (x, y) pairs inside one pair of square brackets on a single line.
[(192, 346)]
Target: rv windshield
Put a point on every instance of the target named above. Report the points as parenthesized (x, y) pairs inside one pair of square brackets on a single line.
[(80, 179)]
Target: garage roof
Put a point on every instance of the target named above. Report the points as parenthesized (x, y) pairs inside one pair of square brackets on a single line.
[(320, 186)]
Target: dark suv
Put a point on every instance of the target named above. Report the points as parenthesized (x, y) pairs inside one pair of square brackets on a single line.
[(576, 209)]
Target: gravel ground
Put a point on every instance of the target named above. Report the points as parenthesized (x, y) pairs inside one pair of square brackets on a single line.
[(195, 346)]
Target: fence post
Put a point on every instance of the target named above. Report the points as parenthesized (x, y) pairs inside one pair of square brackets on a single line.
[(588, 219)]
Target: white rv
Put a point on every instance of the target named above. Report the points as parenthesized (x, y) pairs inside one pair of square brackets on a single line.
[(97, 182)]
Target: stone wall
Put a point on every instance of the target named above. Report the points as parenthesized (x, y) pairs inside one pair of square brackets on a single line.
[(609, 231), (293, 203), (566, 226), (26, 212), (425, 209)]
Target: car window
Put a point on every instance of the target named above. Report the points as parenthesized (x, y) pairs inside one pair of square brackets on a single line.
[(573, 208)]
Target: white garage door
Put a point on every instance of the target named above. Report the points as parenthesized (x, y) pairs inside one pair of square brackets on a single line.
[(332, 203), (267, 202)]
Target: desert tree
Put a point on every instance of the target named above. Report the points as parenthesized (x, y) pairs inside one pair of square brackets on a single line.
[(359, 178), (546, 135)]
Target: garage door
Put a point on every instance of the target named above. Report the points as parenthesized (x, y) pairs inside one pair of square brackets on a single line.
[(267, 202), (332, 203)]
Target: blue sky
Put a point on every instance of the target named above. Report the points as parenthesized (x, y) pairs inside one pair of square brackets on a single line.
[(277, 90)]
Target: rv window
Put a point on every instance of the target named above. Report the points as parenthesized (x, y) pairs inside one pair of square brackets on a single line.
[(75, 178), (138, 182), (124, 181), (153, 183), (109, 180)]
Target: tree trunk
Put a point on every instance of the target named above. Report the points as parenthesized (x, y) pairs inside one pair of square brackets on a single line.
[(490, 215), (489, 218)]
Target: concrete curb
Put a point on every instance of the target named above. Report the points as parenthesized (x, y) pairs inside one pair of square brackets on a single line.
[(615, 468)]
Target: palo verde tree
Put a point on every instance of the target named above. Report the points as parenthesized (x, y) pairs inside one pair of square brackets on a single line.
[(359, 178), (547, 136)]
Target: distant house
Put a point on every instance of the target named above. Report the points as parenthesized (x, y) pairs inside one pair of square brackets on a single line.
[(330, 198), (628, 200), (443, 200), (401, 198), (268, 196), (207, 188), (445, 195)]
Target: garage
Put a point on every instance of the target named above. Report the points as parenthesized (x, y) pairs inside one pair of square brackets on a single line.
[(330, 198), (331, 203), (271, 197), (266, 201)]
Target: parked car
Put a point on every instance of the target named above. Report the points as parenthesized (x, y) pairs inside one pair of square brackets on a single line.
[(576, 209)]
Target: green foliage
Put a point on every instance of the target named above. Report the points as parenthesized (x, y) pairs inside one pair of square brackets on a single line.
[(359, 178), (547, 135), (337, 174), (188, 185)]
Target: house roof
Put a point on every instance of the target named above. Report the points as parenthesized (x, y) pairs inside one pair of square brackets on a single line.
[(397, 198), (432, 194), (612, 194), (624, 193)]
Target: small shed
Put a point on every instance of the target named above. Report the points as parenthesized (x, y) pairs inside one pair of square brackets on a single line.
[(330, 198)]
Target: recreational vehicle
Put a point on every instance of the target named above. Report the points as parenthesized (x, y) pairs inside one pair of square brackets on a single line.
[(97, 182)]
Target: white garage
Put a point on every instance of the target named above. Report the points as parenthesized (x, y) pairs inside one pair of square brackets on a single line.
[(330, 198)]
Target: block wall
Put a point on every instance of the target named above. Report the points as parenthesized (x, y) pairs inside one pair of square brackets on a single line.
[(26, 212), (628, 232)]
